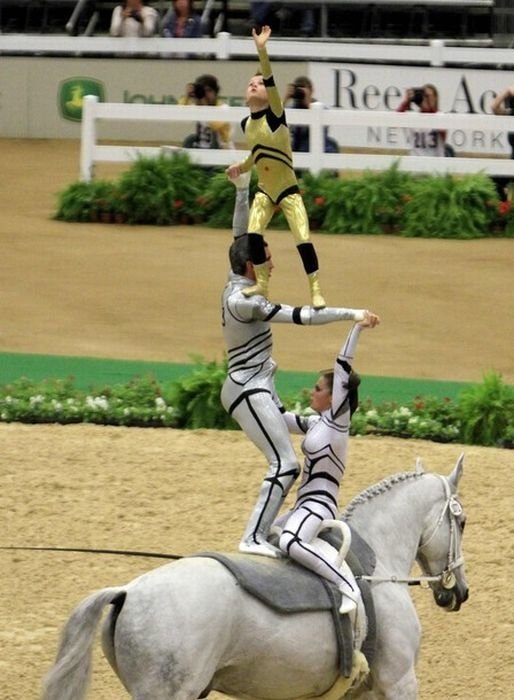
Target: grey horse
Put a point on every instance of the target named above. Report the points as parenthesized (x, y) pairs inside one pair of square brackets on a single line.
[(187, 627)]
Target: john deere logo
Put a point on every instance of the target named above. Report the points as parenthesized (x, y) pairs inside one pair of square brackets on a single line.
[(73, 91)]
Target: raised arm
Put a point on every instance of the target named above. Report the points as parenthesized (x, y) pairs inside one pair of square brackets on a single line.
[(344, 361), (260, 40)]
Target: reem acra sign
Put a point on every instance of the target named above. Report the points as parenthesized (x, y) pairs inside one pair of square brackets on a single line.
[(72, 92)]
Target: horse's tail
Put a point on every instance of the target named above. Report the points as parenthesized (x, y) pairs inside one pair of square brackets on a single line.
[(69, 678)]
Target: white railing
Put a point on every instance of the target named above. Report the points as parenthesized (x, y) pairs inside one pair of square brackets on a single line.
[(317, 118), (224, 46)]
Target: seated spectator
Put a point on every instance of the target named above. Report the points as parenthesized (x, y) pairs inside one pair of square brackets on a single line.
[(300, 95), (133, 18), (215, 134), (184, 22)]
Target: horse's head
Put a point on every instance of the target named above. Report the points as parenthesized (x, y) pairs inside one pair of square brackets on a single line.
[(440, 549)]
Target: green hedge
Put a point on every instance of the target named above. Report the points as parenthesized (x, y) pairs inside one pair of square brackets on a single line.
[(482, 414), (171, 190)]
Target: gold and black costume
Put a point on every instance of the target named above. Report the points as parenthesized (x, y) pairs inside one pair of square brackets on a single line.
[(269, 140)]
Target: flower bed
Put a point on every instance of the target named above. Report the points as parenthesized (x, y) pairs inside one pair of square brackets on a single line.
[(171, 190), (482, 414)]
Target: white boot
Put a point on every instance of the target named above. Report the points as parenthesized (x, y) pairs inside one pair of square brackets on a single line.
[(263, 549)]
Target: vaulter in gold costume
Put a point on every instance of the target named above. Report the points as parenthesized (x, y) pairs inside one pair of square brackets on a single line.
[(269, 140)]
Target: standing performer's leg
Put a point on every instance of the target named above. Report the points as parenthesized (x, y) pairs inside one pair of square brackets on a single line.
[(260, 215), (296, 215), (261, 420)]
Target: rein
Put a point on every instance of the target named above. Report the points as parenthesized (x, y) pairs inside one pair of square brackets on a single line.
[(123, 552), (446, 577)]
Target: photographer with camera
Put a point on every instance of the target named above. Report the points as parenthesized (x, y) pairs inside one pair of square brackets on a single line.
[(503, 105), (424, 142), (216, 134), (133, 18), (300, 95)]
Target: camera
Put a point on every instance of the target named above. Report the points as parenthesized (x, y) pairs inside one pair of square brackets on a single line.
[(198, 91), (418, 96), (298, 93)]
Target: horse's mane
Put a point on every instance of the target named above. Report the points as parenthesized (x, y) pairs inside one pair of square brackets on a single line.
[(377, 489)]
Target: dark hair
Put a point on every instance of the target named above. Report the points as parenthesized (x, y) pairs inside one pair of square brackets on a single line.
[(239, 254), (303, 81), (190, 3), (208, 81), (353, 387)]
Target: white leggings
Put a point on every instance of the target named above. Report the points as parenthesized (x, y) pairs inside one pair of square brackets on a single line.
[(300, 528), (254, 408)]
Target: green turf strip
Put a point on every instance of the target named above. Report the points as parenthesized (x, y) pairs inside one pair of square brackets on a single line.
[(89, 372)]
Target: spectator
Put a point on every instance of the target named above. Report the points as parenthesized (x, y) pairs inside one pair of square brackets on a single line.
[(425, 142), (503, 105), (300, 95), (133, 18), (184, 22), (216, 134)]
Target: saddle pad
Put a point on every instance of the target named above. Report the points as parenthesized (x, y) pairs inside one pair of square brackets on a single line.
[(281, 584), (287, 587)]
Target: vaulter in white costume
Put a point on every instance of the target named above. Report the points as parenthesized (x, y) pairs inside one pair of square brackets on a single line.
[(248, 392), (324, 446)]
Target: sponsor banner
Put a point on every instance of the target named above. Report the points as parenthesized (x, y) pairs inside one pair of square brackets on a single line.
[(41, 97), (381, 87)]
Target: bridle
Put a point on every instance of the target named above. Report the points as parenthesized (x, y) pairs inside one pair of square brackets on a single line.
[(446, 577), (453, 507)]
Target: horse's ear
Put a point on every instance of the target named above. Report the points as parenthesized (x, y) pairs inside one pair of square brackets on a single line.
[(420, 469), (457, 471)]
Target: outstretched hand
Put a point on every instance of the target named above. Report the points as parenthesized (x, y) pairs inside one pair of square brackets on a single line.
[(370, 320), (260, 38)]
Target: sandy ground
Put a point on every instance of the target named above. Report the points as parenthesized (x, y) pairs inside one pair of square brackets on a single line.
[(145, 293), (153, 293)]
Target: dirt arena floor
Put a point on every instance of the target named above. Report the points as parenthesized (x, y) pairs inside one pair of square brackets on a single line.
[(153, 294)]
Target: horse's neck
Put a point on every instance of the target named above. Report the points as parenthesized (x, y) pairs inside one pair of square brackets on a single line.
[(392, 522)]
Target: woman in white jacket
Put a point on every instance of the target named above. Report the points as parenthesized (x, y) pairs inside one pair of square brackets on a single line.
[(133, 18)]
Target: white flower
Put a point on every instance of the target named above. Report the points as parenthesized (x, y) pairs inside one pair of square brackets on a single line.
[(35, 400), (372, 414), (160, 404), (56, 404), (96, 402), (404, 411)]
